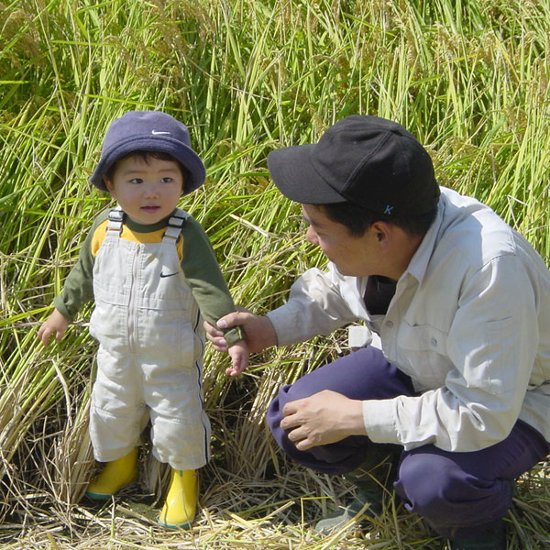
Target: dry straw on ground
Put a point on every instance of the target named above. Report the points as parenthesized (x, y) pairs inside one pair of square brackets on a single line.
[(274, 513), (469, 78)]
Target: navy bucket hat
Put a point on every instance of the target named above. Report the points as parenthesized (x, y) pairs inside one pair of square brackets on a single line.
[(152, 131), (364, 160)]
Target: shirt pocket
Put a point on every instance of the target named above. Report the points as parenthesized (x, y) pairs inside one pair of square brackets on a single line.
[(422, 354)]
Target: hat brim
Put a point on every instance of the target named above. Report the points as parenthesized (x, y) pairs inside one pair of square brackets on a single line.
[(295, 176), (175, 148)]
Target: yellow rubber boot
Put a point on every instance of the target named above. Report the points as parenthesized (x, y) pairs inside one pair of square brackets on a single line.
[(116, 475), (181, 502)]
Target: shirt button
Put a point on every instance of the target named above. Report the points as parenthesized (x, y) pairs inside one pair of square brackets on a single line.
[(434, 342), (389, 324)]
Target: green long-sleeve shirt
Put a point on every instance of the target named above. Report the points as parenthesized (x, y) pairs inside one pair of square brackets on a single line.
[(198, 263)]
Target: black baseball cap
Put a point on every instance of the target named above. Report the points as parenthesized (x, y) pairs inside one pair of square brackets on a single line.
[(364, 160), (152, 131)]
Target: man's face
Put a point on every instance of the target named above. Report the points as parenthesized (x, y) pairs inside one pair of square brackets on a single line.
[(353, 256)]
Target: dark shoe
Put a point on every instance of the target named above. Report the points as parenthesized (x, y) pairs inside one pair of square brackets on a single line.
[(372, 479), (489, 537), (366, 503)]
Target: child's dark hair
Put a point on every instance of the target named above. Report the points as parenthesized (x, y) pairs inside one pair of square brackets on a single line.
[(358, 219), (145, 156)]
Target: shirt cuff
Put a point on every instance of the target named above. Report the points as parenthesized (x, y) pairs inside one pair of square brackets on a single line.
[(379, 421), (233, 335), (59, 304), (284, 326)]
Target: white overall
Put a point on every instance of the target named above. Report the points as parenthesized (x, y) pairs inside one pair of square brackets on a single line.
[(149, 362)]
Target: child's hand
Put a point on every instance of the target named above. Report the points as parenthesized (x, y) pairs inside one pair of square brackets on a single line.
[(239, 358), (55, 325)]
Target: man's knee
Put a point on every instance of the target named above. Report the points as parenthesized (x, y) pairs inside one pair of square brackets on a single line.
[(436, 487), (422, 481)]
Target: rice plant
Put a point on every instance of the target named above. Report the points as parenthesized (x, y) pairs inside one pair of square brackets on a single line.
[(469, 78)]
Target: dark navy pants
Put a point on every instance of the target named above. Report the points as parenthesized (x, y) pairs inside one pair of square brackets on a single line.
[(454, 492)]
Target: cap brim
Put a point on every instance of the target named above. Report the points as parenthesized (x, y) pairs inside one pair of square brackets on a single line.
[(295, 176), (181, 152)]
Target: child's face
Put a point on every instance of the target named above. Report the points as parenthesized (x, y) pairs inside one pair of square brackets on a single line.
[(148, 191)]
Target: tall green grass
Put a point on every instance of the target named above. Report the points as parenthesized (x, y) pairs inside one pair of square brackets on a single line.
[(469, 78)]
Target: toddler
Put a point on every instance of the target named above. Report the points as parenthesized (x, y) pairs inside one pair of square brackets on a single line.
[(152, 274)]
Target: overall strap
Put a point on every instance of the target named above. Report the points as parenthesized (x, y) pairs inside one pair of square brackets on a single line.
[(114, 224), (174, 226)]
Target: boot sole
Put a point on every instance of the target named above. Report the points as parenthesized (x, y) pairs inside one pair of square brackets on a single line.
[(98, 497), (186, 525)]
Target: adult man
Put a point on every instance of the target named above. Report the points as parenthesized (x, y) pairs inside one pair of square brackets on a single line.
[(460, 382)]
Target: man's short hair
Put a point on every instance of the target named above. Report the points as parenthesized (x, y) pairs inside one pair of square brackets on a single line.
[(358, 219)]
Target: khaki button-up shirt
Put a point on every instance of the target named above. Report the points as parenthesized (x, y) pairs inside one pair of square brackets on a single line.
[(469, 323)]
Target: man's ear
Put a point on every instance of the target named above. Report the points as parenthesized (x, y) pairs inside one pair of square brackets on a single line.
[(382, 231)]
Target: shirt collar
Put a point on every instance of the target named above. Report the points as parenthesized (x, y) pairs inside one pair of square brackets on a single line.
[(421, 258), (142, 228)]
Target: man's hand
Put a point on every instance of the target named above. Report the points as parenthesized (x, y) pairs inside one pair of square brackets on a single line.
[(259, 331), (55, 325), (323, 418)]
